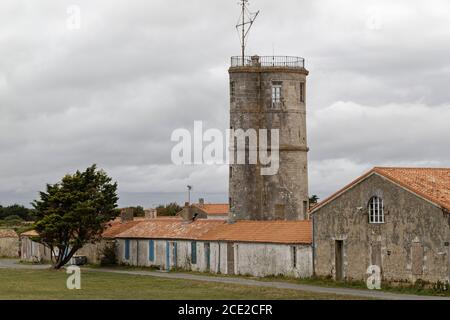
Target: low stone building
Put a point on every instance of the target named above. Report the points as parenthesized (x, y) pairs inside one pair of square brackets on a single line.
[(258, 248), (165, 243), (9, 243), (262, 248), (395, 218)]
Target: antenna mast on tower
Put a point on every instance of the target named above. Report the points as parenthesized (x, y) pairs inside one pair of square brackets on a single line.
[(244, 25)]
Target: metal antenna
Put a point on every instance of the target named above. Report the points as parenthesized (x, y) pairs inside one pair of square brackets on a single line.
[(189, 193), (245, 23)]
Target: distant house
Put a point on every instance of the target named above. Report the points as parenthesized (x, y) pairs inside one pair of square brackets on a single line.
[(397, 219), (32, 251), (202, 210), (259, 248), (9, 243)]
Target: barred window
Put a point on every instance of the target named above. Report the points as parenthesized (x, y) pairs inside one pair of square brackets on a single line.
[(232, 90), (276, 93), (376, 210), (302, 92)]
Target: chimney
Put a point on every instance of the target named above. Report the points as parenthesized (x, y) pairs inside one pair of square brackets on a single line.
[(187, 213), (126, 215), (201, 202), (151, 214)]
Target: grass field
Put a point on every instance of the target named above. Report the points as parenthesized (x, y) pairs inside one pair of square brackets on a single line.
[(49, 285)]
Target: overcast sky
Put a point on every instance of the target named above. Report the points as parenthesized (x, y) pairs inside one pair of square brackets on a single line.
[(113, 91)]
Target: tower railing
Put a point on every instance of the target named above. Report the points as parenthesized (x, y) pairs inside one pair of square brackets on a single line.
[(268, 61)]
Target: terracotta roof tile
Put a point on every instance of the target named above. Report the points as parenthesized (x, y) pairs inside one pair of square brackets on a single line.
[(116, 227), (432, 184), (161, 228), (214, 208), (8, 233), (31, 233), (285, 232)]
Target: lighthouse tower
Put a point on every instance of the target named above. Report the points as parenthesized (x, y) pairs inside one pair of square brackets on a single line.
[(270, 93)]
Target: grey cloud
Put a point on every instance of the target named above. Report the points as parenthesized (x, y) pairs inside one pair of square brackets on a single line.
[(112, 92)]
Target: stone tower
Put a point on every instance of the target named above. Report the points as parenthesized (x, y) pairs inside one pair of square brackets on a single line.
[(269, 93)]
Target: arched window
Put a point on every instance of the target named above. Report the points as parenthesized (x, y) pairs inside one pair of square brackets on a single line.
[(376, 210)]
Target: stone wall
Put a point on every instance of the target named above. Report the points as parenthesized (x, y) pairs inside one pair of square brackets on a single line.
[(9, 247), (411, 225)]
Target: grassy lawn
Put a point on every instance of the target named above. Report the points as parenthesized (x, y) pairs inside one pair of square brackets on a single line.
[(49, 284), (321, 282)]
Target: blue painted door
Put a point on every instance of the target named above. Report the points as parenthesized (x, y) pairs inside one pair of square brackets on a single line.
[(167, 255), (208, 256), (175, 254)]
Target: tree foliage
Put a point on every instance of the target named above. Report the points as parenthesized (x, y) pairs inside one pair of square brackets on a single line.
[(313, 200), (74, 212), (16, 210), (170, 209)]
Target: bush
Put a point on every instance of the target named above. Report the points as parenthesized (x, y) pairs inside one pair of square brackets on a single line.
[(12, 218), (109, 255), (441, 287)]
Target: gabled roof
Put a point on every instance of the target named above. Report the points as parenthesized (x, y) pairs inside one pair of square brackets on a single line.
[(431, 184), (219, 209), (8, 233), (176, 229), (281, 232)]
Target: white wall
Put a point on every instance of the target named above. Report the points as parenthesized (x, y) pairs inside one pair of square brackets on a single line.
[(272, 260), (250, 258)]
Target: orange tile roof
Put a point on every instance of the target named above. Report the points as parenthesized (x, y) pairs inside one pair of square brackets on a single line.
[(30, 233), (8, 233), (115, 227), (432, 184), (161, 228), (214, 208), (283, 232)]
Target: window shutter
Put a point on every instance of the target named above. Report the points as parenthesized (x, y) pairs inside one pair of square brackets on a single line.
[(194, 252), (151, 250), (127, 249)]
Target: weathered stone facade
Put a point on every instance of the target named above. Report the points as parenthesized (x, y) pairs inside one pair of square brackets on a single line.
[(412, 244), (283, 196)]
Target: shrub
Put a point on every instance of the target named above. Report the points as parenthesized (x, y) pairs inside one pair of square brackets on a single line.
[(109, 255)]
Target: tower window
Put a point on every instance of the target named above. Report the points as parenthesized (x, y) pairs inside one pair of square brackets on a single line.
[(305, 210), (276, 93), (376, 210), (232, 90), (302, 92)]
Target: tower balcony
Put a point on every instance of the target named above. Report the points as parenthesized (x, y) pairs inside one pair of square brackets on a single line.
[(268, 62)]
